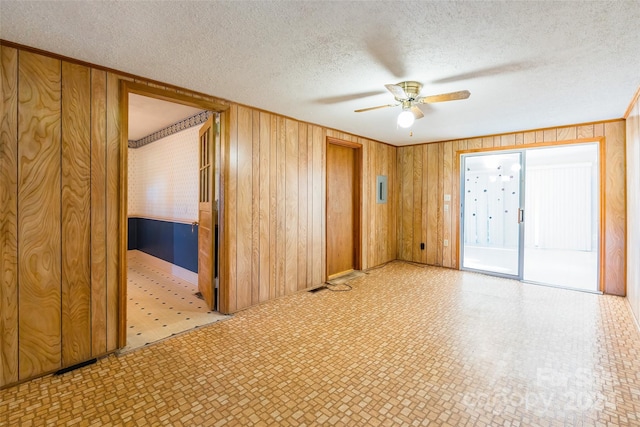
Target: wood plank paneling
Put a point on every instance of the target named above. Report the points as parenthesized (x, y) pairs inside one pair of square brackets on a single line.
[(98, 212), (549, 135), (39, 214), (76, 202), (9, 216), (615, 229), (439, 176), (567, 133), (585, 131), (274, 209)]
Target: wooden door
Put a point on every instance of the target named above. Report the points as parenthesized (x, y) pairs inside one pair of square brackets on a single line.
[(207, 213), (343, 208)]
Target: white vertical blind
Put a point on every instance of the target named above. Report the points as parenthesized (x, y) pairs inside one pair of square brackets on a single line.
[(558, 207)]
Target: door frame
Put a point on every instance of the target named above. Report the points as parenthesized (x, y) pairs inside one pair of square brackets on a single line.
[(127, 87), (357, 205), (601, 141)]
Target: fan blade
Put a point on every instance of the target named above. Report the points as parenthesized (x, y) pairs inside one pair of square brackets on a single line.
[(397, 92), (418, 114), (453, 96), (375, 108)]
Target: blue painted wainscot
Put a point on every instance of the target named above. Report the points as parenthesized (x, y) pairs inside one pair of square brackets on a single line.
[(173, 242)]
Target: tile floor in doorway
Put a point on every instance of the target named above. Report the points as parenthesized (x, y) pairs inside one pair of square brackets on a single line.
[(408, 345), (161, 301)]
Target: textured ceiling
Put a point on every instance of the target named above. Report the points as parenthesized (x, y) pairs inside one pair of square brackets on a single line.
[(527, 64)]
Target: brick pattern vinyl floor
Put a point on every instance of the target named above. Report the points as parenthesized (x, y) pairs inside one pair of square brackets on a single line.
[(407, 346)]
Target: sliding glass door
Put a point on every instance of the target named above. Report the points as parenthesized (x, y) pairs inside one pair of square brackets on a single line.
[(533, 214), (492, 231), (561, 230)]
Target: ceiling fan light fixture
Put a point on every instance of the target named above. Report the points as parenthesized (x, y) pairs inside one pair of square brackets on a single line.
[(406, 119)]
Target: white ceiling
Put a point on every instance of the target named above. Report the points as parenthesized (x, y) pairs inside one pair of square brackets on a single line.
[(148, 115), (527, 64)]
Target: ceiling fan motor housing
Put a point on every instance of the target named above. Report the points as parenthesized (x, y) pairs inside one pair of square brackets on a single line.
[(411, 88)]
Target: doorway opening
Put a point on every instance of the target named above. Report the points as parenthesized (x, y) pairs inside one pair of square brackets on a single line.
[(160, 294), (344, 177), (533, 214)]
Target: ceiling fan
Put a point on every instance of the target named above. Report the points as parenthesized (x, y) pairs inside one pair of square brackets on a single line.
[(407, 94)]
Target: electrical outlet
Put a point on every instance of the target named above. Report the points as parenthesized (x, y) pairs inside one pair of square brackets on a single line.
[(446, 242), (422, 246)]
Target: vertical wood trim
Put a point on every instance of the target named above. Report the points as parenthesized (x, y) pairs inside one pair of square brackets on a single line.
[(224, 280), (273, 206), (98, 213), (407, 202), (116, 335), (76, 200), (291, 206), (368, 209), (392, 209), (438, 198), (9, 216), (398, 201), (302, 206), (318, 212), (264, 205), (39, 214), (357, 204), (231, 204), (432, 205), (244, 180), (309, 233), (280, 206), (633, 204), (255, 209), (447, 177), (420, 174)]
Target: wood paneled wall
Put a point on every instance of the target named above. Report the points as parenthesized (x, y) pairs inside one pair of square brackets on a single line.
[(428, 172), (59, 186), (633, 207), (60, 193), (274, 199)]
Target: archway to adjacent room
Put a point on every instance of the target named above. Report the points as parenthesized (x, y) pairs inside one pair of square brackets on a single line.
[(533, 214)]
